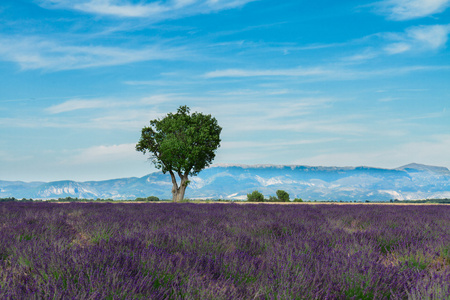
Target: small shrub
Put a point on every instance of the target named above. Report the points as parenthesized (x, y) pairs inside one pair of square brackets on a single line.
[(298, 200), (255, 196)]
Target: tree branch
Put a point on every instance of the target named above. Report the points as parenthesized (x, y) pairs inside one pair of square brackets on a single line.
[(174, 180)]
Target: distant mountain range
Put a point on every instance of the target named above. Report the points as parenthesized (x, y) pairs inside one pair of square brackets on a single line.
[(413, 181)]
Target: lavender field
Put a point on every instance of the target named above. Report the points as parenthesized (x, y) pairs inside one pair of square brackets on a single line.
[(223, 251)]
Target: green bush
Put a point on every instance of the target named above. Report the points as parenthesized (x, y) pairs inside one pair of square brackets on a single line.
[(298, 200), (255, 196), (8, 199), (151, 198), (273, 199), (282, 196)]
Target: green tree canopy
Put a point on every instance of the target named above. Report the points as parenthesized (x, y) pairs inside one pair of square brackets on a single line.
[(182, 143), (255, 196), (283, 196)]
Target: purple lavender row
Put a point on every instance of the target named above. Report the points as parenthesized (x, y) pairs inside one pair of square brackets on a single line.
[(223, 251)]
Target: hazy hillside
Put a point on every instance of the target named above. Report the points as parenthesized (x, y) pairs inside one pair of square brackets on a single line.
[(413, 181)]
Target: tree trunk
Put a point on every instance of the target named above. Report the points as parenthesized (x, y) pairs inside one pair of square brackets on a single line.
[(178, 192), (179, 195)]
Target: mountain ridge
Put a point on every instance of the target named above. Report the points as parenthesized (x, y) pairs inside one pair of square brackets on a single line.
[(421, 167), (234, 181)]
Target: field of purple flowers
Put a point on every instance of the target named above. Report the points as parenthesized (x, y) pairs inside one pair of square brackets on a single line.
[(223, 251)]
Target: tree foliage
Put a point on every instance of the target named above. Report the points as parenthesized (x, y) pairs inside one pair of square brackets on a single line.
[(273, 199), (183, 143), (255, 196), (151, 198), (283, 196)]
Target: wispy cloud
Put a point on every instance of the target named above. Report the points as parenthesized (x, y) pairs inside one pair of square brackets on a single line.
[(105, 153), (432, 151), (400, 10), (298, 72), (106, 7), (335, 126), (155, 10), (39, 53), (289, 116), (12, 157), (274, 144), (321, 73), (95, 113), (415, 40), (419, 38), (75, 104)]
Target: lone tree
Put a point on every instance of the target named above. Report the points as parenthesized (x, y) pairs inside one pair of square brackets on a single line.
[(183, 143)]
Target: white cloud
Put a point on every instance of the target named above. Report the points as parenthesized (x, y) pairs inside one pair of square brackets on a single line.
[(105, 113), (75, 104), (401, 10), (105, 153), (364, 55), (125, 119), (155, 10), (298, 72), (99, 162), (388, 99), (429, 37), (105, 7), (161, 98), (39, 53), (416, 39), (114, 150), (396, 48), (321, 73), (13, 157), (268, 120), (273, 144)]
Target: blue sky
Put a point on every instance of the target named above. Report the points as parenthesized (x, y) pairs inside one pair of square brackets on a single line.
[(335, 83)]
